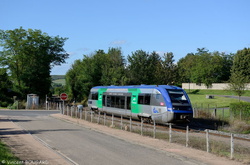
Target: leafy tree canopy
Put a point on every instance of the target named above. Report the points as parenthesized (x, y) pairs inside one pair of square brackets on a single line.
[(29, 56)]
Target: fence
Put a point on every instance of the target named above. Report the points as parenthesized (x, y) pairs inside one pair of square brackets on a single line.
[(203, 140), (211, 111)]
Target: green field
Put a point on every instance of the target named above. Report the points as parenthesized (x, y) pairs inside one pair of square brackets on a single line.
[(58, 79), (198, 97), (215, 92)]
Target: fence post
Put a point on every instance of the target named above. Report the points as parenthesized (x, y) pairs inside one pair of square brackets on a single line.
[(187, 136), (154, 130), (91, 116), (112, 120), (104, 119), (170, 132), (121, 122), (80, 114), (85, 117), (232, 146), (130, 124), (207, 139), (76, 112), (67, 113), (141, 126), (98, 117)]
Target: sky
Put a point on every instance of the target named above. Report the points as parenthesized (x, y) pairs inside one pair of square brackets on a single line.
[(177, 26)]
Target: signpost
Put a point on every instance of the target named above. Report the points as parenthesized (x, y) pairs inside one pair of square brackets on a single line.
[(63, 97)]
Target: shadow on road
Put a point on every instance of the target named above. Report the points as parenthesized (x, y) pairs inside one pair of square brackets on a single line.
[(9, 131)]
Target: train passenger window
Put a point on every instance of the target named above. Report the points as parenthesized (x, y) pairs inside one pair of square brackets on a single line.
[(129, 102), (147, 99), (104, 100), (112, 103), (144, 99), (108, 101), (140, 99)]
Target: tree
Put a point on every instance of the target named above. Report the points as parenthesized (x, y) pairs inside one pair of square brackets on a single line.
[(139, 66), (29, 56), (167, 70), (5, 87), (240, 72), (113, 68), (241, 63), (205, 67), (184, 67), (238, 83)]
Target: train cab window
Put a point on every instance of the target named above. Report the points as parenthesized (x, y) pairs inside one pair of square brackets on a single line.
[(177, 96), (144, 99), (93, 96)]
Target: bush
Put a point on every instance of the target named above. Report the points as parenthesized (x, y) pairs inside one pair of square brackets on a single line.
[(3, 104), (240, 110)]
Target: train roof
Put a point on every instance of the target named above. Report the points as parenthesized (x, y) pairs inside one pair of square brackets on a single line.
[(140, 86)]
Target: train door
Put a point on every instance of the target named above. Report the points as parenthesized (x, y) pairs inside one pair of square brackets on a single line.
[(128, 105)]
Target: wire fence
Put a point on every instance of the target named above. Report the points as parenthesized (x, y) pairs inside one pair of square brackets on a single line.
[(230, 147), (211, 111)]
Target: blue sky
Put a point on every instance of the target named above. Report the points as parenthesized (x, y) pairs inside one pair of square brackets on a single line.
[(178, 26)]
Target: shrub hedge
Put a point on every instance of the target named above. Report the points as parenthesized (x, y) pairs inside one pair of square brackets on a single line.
[(240, 110)]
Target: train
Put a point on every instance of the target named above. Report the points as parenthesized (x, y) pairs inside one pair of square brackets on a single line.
[(159, 103)]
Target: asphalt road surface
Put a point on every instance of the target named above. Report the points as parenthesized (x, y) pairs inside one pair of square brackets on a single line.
[(244, 98), (84, 146)]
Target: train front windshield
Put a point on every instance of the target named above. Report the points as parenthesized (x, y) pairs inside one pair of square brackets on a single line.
[(177, 96)]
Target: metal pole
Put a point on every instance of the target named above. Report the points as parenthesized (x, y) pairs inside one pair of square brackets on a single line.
[(121, 122), (141, 126), (85, 114), (104, 119), (207, 138), (154, 130), (232, 146), (187, 136), (76, 112), (63, 107), (170, 133), (98, 117), (130, 124), (91, 116), (112, 120), (71, 111)]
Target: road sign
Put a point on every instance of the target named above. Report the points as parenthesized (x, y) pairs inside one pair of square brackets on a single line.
[(63, 96)]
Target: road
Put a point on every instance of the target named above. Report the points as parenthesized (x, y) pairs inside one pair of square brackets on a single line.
[(243, 98), (85, 146)]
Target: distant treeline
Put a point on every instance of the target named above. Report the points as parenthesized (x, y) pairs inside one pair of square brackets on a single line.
[(141, 67)]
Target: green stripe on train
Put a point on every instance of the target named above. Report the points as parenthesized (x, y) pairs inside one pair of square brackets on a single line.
[(100, 93), (135, 107)]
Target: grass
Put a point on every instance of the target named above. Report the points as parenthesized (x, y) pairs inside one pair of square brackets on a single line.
[(6, 157), (220, 102), (215, 92), (60, 81)]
